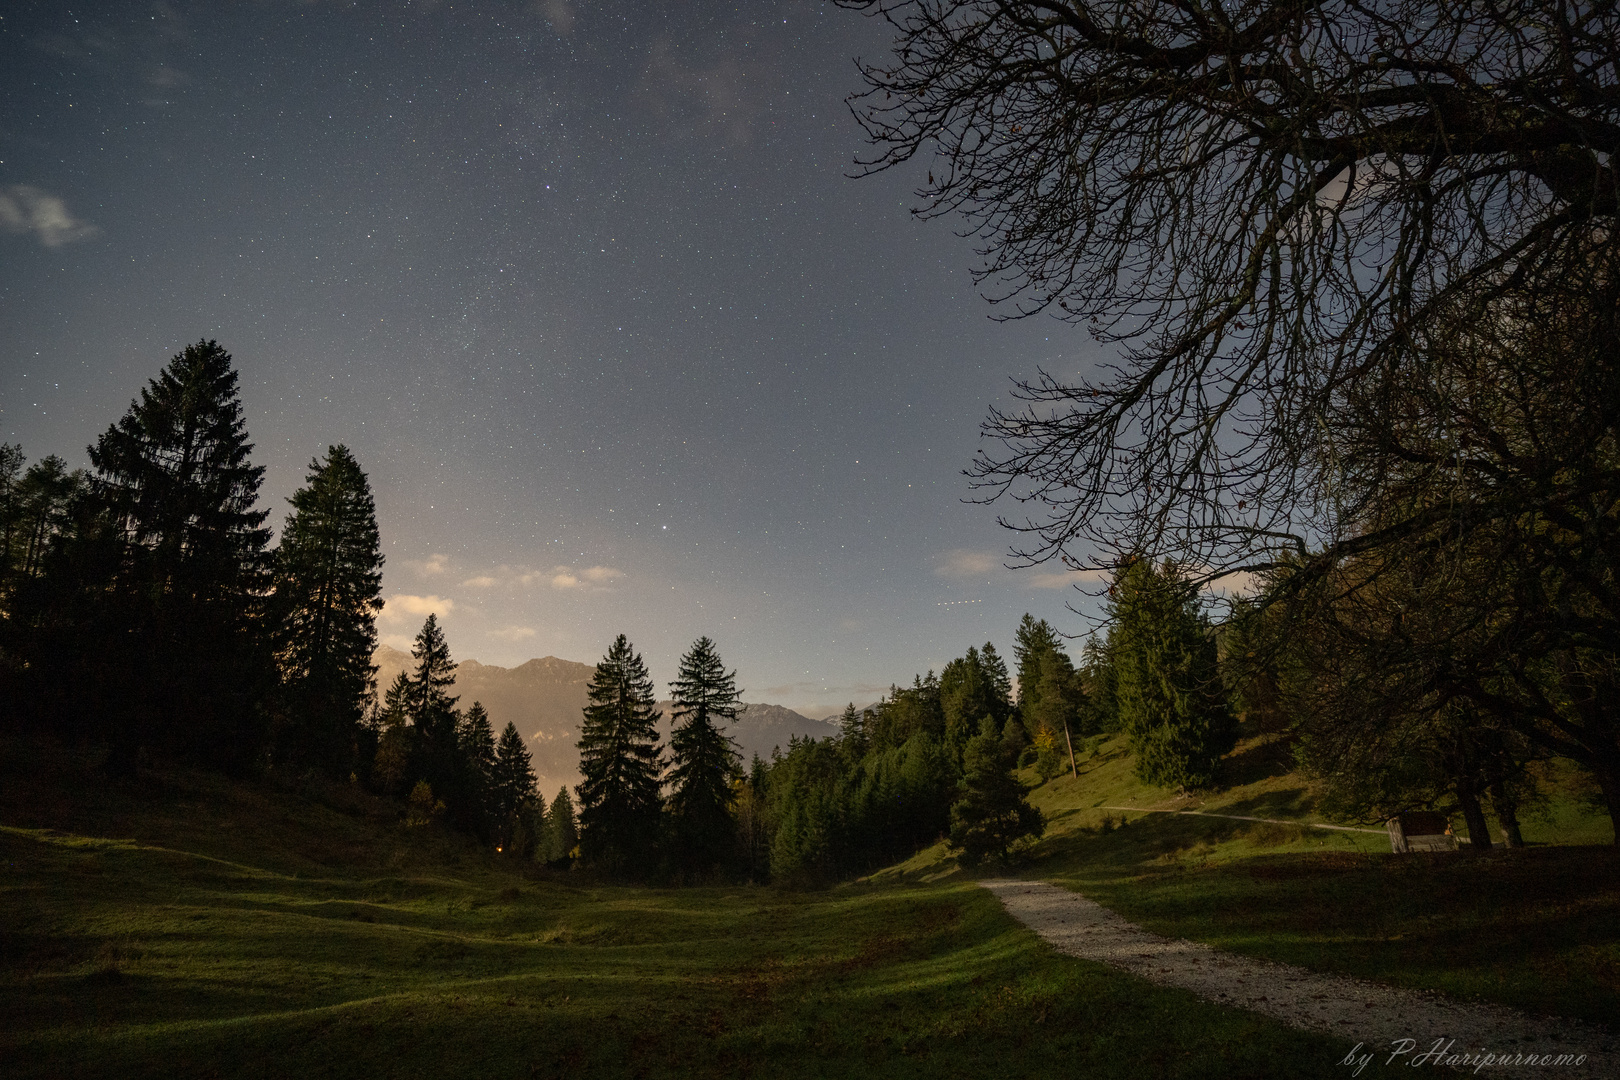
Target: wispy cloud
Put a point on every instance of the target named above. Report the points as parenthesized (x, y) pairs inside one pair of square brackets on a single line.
[(432, 565), (482, 582), (1065, 579), (1241, 583), (401, 605), (28, 211), (513, 633), (566, 577), (964, 563)]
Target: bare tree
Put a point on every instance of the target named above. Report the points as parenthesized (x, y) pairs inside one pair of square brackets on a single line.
[(1260, 202)]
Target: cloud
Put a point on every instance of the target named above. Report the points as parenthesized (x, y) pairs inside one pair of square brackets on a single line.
[(566, 577), (483, 582), (962, 563), (28, 211), (433, 564), (1064, 579), (1241, 583), (403, 604), (513, 633)]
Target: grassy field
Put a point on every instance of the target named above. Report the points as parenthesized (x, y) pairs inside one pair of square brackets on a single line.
[(191, 929), (1537, 928)]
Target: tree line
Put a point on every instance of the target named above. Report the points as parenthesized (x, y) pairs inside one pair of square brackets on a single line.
[(143, 608), (938, 758), (142, 604)]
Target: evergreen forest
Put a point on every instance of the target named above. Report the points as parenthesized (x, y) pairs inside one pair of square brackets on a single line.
[(146, 614)]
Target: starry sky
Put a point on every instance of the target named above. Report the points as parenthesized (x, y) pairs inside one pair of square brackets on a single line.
[(586, 287)]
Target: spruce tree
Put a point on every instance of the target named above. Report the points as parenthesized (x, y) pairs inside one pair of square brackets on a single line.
[(324, 612), (392, 764), (514, 784), (561, 834), (433, 714), (991, 813), (179, 491), (620, 761), (1168, 687), (1057, 710), (995, 669), (851, 734), (704, 762), (480, 776), (967, 695), (1033, 639), (39, 508)]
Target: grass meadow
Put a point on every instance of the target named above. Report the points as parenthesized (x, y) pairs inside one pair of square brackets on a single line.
[(1537, 928), (190, 928)]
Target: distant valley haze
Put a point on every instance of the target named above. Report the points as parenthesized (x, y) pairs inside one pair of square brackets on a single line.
[(545, 697)]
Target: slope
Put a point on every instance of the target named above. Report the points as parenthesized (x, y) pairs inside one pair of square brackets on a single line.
[(192, 928), (1536, 928)]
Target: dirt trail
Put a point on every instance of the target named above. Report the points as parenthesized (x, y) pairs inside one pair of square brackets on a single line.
[(1384, 1018)]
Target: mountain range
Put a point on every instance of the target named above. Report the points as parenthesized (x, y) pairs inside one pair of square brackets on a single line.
[(545, 697)]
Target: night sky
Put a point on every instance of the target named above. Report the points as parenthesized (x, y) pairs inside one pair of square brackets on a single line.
[(585, 287)]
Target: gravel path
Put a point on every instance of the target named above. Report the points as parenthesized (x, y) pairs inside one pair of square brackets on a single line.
[(1384, 1019)]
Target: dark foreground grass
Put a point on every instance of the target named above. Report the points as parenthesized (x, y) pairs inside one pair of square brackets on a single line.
[(177, 951)]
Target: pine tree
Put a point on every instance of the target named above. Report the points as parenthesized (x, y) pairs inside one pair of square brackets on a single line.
[(179, 491), (995, 669), (513, 786), (35, 510), (1168, 686), (393, 761), (968, 693), (851, 734), (1056, 712), (324, 612), (620, 761), (433, 713), (1033, 639), (480, 773), (704, 762), (992, 812), (1098, 678), (561, 835), (38, 511)]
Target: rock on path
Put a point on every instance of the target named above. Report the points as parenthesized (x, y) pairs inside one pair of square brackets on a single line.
[(1382, 1018)]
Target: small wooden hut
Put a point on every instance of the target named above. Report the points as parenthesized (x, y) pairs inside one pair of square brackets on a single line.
[(1421, 830)]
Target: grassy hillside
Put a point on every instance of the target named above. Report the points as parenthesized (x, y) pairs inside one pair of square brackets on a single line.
[(189, 928), (1537, 928)]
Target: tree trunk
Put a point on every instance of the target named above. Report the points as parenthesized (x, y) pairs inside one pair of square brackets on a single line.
[(1507, 812), (1075, 769), (1479, 833), (1609, 784)]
